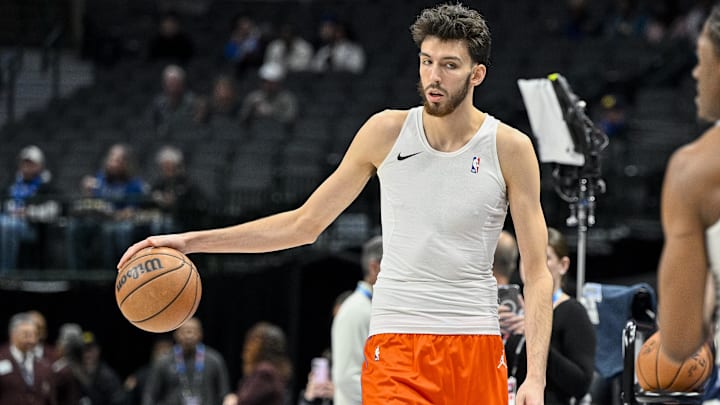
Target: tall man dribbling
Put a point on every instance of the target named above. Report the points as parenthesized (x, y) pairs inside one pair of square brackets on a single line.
[(448, 173)]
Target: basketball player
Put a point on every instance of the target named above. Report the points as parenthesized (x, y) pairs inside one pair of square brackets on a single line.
[(448, 172), (691, 213)]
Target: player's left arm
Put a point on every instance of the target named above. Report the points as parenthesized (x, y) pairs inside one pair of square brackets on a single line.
[(522, 177), (683, 267)]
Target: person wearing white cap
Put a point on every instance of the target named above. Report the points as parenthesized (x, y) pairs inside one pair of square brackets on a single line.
[(28, 203), (270, 101)]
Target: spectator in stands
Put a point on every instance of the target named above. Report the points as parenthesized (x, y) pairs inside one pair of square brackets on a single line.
[(244, 48), (100, 382), (272, 100), (266, 368), (613, 116), (504, 267), (351, 327), (67, 368), (42, 350), (182, 203), (171, 44), (626, 20), (571, 360), (176, 105), (24, 379), (579, 22), (338, 51), (322, 392), (506, 258), (192, 373), (223, 105), (318, 391), (135, 383), (29, 206), (107, 215), (690, 25), (661, 17), (289, 50)]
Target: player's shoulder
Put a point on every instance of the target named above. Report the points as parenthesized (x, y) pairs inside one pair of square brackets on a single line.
[(383, 128), (696, 159), (693, 168), (388, 121), (511, 141)]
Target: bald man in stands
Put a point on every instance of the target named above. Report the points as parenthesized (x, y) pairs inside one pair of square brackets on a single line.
[(506, 258), (42, 350)]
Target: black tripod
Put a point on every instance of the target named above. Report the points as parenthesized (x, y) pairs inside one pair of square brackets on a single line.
[(579, 186)]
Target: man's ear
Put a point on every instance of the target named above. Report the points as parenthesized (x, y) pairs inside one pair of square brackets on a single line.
[(564, 265), (375, 267), (478, 74)]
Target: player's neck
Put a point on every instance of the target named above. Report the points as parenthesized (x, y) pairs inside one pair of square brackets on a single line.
[(451, 132)]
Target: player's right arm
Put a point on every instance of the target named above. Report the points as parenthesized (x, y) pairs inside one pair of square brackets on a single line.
[(683, 265), (302, 225)]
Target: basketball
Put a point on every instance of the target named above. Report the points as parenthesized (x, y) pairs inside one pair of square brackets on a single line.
[(158, 289), (656, 372)]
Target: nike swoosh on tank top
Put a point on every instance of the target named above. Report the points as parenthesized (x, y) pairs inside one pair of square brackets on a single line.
[(442, 213)]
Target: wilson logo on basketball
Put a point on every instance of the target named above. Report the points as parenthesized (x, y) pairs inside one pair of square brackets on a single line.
[(142, 268)]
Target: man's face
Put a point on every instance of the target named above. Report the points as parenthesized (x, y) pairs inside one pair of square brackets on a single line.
[(169, 169), (24, 337), (707, 76), (169, 27), (446, 73), (29, 169), (224, 94), (189, 334), (40, 324), (116, 163), (174, 85)]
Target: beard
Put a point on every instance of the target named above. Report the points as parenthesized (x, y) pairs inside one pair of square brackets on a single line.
[(447, 107)]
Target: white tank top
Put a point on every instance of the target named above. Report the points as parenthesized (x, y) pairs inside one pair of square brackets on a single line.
[(442, 213), (712, 246)]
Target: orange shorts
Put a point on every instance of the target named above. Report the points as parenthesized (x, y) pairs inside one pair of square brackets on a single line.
[(434, 369)]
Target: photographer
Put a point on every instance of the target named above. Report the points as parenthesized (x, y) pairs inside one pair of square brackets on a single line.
[(571, 359)]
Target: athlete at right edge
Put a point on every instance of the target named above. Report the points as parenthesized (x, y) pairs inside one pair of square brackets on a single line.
[(691, 216), (448, 173)]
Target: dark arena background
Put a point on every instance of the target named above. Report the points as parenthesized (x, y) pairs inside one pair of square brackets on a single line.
[(79, 76)]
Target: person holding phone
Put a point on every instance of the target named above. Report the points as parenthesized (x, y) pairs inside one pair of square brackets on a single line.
[(320, 389), (571, 359)]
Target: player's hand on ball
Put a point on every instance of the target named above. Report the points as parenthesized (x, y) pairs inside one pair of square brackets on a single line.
[(173, 241)]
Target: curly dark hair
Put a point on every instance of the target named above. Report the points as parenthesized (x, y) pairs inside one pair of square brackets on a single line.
[(713, 27), (265, 342), (455, 22)]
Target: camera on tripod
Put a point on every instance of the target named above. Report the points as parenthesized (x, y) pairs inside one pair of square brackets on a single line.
[(567, 138)]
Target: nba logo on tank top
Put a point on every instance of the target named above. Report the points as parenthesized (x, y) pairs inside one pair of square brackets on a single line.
[(475, 165)]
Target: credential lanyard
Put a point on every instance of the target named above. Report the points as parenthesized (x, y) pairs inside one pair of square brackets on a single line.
[(364, 291), (190, 388)]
